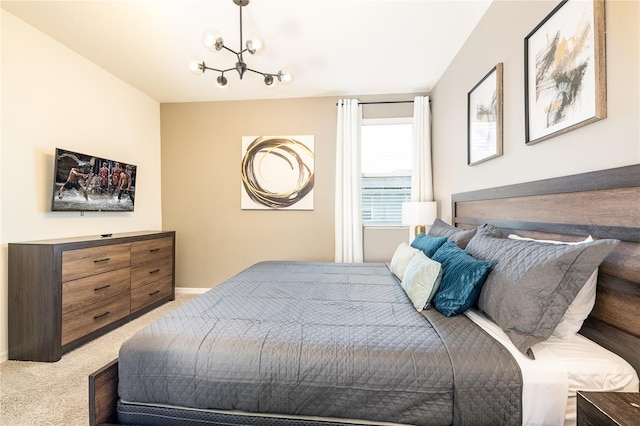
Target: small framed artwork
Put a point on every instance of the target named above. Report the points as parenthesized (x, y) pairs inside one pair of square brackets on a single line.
[(565, 70), (484, 118)]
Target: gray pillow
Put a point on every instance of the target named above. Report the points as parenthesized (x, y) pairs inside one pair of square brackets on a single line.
[(459, 236), (532, 284)]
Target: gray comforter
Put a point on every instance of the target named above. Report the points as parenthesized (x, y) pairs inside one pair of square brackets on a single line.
[(321, 339)]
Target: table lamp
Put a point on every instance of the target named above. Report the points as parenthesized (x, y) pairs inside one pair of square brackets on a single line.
[(418, 214)]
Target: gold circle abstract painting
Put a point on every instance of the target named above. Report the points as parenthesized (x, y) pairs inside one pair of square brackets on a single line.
[(277, 172)]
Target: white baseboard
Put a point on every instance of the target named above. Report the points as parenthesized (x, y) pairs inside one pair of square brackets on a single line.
[(191, 290), (4, 356)]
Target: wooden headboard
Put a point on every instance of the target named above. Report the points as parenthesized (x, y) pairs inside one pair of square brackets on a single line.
[(603, 204)]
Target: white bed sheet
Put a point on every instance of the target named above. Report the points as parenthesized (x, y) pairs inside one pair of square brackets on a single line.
[(562, 367)]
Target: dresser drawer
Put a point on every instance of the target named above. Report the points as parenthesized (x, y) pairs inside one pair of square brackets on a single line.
[(89, 290), (150, 272), (83, 321), (151, 293), (150, 250), (95, 260)]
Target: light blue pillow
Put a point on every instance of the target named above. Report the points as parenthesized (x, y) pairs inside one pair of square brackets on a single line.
[(429, 245), (462, 279), (421, 280)]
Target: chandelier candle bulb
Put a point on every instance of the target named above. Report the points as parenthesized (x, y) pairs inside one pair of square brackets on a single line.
[(196, 67), (285, 77), (255, 45), (212, 40)]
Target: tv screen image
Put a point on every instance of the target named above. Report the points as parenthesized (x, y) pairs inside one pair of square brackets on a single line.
[(90, 183)]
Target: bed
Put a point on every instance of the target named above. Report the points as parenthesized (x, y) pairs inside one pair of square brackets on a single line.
[(319, 343)]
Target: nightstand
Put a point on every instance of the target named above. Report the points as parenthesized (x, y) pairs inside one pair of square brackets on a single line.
[(608, 408)]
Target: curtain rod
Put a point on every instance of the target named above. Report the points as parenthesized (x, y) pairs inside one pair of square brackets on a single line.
[(386, 102)]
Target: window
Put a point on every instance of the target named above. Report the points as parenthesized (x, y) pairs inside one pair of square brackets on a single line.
[(386, 169)]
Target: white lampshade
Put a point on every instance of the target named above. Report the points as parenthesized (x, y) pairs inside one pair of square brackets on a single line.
[(419, 212)]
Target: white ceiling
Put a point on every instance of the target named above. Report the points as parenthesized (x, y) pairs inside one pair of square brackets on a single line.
[(333, 47)]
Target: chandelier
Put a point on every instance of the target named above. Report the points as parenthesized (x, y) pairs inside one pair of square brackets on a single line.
[(213, 41)]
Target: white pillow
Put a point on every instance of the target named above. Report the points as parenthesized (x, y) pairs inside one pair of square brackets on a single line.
[(581, 307), (403, 254), (421, 280)]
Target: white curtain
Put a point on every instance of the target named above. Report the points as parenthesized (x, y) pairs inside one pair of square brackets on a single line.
[(422, 176), (348, 221)]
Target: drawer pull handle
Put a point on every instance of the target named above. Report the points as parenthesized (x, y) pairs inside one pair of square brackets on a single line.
[(155, 292), (154, 250), (101, 315), (155, 271), (106, 259), (102, 288)]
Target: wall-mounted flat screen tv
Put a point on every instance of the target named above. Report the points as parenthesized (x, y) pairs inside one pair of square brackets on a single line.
[(88, 183)]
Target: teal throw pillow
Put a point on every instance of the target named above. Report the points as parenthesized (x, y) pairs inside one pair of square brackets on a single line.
[(428, 244), (462, 279)]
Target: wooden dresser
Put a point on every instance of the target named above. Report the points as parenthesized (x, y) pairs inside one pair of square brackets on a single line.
[(65, 292)]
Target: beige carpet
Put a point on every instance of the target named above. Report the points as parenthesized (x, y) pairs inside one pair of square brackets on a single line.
[(38, 393)]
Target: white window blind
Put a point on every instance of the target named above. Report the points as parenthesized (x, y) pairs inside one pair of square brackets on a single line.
[(386, 170)]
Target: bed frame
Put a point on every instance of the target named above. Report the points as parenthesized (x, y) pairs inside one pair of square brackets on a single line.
[(603, 204)]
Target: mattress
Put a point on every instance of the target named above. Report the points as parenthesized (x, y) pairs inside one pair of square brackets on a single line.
[(561, 368), (305, 339)]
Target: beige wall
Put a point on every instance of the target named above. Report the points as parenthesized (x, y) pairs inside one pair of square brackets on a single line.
[(380, 242), (499, 37), (201, 152), (51, 98)]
